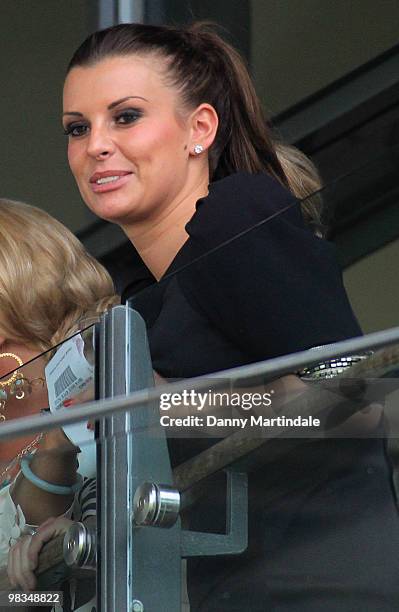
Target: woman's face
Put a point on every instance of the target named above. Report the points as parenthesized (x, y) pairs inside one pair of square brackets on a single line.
[(128, 149)]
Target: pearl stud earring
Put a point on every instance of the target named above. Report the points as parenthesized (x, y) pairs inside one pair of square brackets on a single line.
[(198, 149)]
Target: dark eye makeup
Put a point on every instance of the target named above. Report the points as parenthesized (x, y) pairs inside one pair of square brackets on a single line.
[(126, 116), (75, 129)]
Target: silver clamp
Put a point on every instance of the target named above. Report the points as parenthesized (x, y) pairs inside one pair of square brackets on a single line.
[(80, 546), (155, 505)]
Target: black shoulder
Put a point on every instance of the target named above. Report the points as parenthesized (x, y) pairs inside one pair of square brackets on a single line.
[(239, 202), (259, 273)]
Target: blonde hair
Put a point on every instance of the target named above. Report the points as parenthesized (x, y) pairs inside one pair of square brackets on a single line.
[(304, 180), (49, 284)]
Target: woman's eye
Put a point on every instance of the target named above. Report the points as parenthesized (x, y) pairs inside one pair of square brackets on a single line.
[(75, 129), (127, 116)]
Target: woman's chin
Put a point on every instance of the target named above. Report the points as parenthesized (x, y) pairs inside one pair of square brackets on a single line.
[(112, 211)]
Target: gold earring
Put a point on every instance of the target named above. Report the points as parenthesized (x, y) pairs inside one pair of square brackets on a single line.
[(14, 375), (15, 382), (17, 387)]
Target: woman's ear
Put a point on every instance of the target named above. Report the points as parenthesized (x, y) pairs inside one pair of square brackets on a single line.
[(204, 124)]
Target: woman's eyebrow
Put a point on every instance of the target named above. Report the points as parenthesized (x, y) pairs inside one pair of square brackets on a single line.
[(113, 104), (109, 107)]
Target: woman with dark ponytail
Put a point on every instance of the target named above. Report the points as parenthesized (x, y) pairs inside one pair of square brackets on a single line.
[(166, 138)]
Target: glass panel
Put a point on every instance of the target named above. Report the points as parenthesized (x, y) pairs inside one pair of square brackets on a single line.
[(306, 458), (48, 473), (319, 484), (359, 215)]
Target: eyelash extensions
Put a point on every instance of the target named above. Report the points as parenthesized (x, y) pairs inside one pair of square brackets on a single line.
[(128, 116)]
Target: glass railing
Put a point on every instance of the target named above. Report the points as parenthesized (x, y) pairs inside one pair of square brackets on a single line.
[(252, 471), (317, 452), (341, 420)]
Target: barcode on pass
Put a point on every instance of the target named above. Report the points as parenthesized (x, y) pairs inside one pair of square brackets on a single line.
[(66, 379)]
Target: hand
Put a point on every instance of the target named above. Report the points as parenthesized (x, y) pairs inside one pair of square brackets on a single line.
[(23, 557)]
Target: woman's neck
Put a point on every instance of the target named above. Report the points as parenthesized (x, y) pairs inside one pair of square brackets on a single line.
[(159, 239)]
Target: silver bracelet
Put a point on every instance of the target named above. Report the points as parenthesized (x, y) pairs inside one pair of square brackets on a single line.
[(331, 367)]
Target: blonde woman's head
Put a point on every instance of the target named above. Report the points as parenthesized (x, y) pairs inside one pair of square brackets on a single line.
[(49, 284)]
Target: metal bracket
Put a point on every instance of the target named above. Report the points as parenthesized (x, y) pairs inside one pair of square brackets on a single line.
[(138, 567), (235, 541)]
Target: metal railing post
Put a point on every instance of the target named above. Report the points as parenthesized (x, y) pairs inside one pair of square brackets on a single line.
[(139, 567)]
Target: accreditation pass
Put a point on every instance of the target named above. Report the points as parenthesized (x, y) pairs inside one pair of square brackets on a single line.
[(13, 599)]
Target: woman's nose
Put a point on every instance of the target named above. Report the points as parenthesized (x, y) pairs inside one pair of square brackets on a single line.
[(100, 145)]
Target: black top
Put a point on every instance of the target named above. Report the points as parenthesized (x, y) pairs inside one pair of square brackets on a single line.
[(273, 288), (323, 529)]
